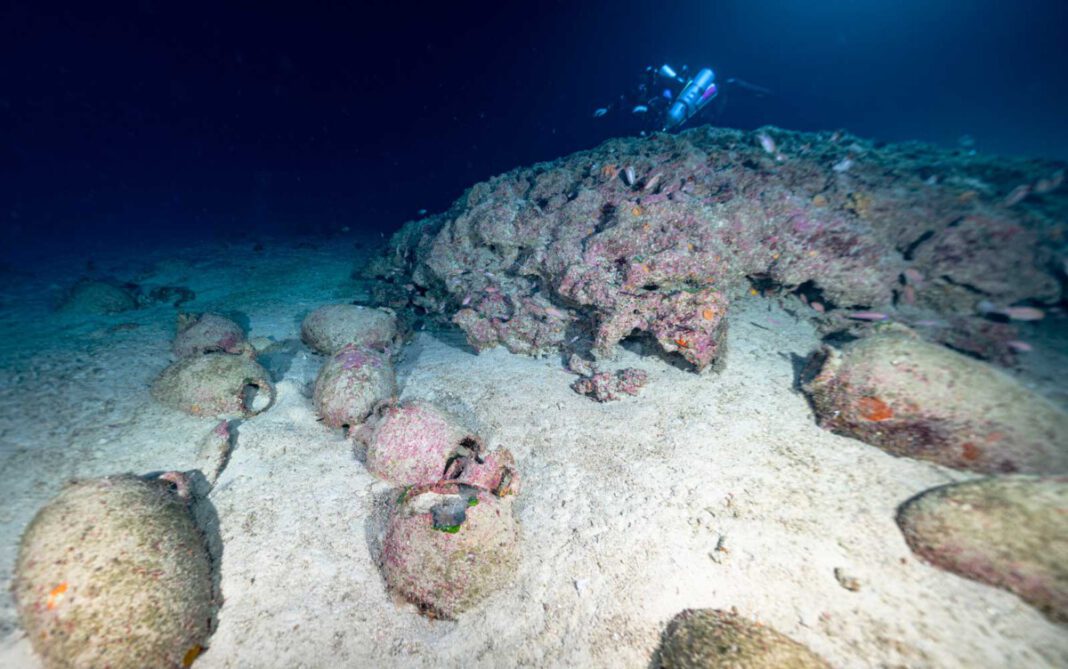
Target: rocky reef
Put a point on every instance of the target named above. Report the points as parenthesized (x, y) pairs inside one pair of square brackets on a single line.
[(655, 236)]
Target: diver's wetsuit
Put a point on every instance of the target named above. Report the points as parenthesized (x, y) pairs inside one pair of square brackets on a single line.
[(645, 106)]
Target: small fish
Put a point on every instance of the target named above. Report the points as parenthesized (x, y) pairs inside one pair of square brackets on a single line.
[(652, 182), (843, 165), (1016, 195), (1049, 184), (640, 109), (599, 112), (767, 143), (986, 307), (1018, 346), (422, 212), (1023, 313), (818, 307), (868, 316), (913, 277), (1057, 179)]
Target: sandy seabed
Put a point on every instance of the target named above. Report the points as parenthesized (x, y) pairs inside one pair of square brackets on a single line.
[(714, 490)]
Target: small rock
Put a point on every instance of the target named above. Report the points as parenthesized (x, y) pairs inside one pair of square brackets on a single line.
[(848, 582), (97, 297), (607, 387), (580, 585)]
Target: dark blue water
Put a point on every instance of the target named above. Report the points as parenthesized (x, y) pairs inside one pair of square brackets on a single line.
[(161, 122)]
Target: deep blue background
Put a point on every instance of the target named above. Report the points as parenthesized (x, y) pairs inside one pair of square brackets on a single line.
[(173, 120)]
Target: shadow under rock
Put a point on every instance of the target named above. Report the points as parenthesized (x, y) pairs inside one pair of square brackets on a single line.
[(644, 344), (383, 501), (239, 317), (805, 368), (411, 352), (278, 358), (450, 335)]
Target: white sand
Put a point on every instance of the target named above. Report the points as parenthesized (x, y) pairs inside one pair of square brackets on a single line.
[(622, 508)]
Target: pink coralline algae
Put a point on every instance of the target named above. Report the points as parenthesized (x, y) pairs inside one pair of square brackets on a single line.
[(608, 386), (576, 250), (350, 384), (330, 328), (415, 443), (449, 547), (494, 471), (412, 443), (452, 536), (207, 333), (352, 357)]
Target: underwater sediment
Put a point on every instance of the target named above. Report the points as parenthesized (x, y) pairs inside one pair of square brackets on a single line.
[(449, 536)]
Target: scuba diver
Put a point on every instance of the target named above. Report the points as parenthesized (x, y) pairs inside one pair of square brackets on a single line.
[(669, 99)]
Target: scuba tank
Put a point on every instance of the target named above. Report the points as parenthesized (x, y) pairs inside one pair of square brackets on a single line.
[(698, 93)]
